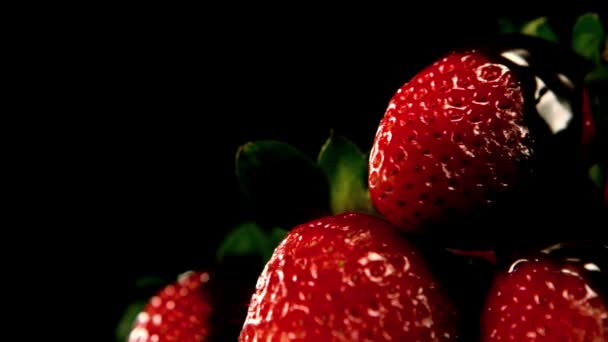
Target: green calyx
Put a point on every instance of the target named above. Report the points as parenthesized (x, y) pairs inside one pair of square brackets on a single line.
[(346, 169), (284, 187)]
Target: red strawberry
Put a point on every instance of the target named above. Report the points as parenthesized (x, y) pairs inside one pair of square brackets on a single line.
[(490, 131), (179, 312), (348, 277), (542, 299), (451, 136)]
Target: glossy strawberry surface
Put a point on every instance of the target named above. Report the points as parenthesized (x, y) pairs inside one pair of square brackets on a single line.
[(179, 312), (349, 277), (548, 298), (484, 139), (451, 138)]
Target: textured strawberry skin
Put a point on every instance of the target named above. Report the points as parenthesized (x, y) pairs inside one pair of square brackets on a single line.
[(451, 139), (347, 278), (542, 300), (179, 312)]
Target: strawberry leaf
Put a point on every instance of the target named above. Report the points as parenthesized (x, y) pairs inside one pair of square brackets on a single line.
[(247, 239), (283, 186), (123, 329), (149, 282), (506, 25), (276, 236), (587, 36), (346, 169), (596, 175), (539, 27), (599, 74)]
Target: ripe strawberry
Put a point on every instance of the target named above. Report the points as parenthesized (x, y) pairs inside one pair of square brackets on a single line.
[(200, 306), (543, 299), (348, 277), (179, 312), (487, 131), (451, 138)]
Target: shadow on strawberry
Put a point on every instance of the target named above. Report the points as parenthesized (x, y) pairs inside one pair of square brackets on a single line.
[(466, 276)]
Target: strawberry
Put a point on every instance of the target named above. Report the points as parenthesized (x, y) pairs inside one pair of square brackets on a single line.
[(487, 131), (348, 277), (450, 139), (546, 299), (205, 305), (179, 312)]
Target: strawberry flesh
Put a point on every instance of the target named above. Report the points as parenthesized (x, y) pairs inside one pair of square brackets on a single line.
[(451, 139), (179, 312), (543, 300), (347, 278)]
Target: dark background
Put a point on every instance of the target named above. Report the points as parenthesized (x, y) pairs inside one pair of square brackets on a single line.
[(176, 91)]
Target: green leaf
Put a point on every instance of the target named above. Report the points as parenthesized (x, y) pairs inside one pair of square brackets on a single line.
[(596, 175), (506, 25), (247, 239), (283, 186), (148, 282), (539, 27), (250, 240), (587, 37), (346, 169), (123, 329), (598, 74), (276, 236)]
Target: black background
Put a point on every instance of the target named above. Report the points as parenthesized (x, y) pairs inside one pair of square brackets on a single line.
[(171, 93)]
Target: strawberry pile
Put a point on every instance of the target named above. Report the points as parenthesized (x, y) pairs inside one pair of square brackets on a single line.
[(474, 216)]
